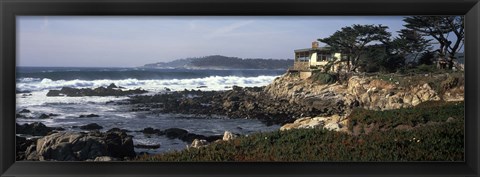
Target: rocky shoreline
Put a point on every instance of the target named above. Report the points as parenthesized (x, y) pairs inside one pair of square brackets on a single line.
[(37, 142), (111, 90), (249, 103), (289, 98), (288, 101)]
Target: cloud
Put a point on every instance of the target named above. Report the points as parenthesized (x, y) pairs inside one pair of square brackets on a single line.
[(227, 30)]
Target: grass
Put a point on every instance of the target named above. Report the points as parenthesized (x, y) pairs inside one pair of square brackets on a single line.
[(438, 142)]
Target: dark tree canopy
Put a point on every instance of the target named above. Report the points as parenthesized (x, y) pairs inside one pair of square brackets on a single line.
[(440, 28), (409, 42), (353, 40)]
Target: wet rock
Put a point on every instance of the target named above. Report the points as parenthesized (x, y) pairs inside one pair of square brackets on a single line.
[(92, 126), (22, 91), (44, 116), (118, 130), (150, 130), (112, 86), (175, 133), (88, 116), (145, 146), (100, 91), (25, 111), (34, 129), (73, 146), (20, 116), (53, 115)]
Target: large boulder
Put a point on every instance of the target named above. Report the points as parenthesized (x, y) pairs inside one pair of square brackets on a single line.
[(175, 133), (22, 144), (305, 122), (199, 143), (334, 123), (35, 129), (73, 146), (227, 136), (92, 126)]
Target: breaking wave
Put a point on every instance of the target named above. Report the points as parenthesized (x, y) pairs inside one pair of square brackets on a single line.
[(206, 83)]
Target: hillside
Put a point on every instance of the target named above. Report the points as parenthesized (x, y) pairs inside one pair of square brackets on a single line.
[(223, 62)]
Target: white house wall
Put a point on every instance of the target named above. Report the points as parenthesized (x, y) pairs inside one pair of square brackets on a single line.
[(313, 59)]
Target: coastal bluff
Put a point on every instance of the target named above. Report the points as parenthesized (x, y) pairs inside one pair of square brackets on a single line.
[(374, 92)]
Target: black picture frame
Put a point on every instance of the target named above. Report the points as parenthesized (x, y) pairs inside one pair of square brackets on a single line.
[(11, 8)]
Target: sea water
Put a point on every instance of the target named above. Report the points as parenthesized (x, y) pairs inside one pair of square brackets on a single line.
[(39, 80)]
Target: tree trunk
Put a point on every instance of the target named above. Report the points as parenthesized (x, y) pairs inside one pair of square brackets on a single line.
[(348, 63), (450, 62)]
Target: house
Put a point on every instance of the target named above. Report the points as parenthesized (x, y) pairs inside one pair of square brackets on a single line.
[(315, 58)]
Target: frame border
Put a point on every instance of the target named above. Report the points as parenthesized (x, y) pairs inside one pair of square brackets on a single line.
[(11, 8)]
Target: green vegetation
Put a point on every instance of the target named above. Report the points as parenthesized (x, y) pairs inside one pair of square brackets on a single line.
[(324, 78), (436, 111), (370, 48), (437, 142), (438, 81)]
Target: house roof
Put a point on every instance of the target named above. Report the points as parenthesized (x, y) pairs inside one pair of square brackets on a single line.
[(312, 49)]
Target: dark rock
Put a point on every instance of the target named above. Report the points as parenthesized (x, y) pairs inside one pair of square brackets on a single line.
[(44, 116), (189, 137), (150, 130), (58, 128), (34, 129), (92, 126), (144, 146), (24, 111), (112, 86), (118, 130), (21, 146), (53, 115), (22, 91), (100, 91), (73, 146), (213, 138), (119, 144), (89, 115), (20, 116), (239, 102), (175, 133)]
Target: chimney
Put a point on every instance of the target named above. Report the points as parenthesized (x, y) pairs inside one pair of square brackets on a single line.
[(314, 44)]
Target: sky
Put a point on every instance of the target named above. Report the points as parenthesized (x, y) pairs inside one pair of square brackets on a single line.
[(131, 41)]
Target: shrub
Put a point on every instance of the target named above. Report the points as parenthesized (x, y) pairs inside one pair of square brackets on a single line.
[(426, 68), (324, 78), (449, 83)]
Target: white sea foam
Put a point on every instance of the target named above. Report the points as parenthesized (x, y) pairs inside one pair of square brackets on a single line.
[(207, 83)]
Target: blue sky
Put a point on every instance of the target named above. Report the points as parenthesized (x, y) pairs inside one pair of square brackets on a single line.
[(134, 41)]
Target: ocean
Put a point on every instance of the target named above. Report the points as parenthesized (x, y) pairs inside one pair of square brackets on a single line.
[(39, 80)]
